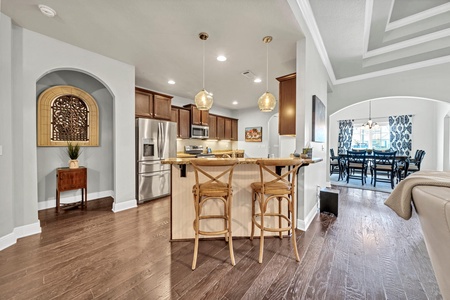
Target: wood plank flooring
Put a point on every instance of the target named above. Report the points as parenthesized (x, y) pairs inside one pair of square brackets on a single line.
[(366, 253)]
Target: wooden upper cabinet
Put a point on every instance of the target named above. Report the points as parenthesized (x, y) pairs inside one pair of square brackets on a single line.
[(234, 130), (227, 135), (150, 104), (220, 128), (161, 107), (175, 112), (198, 117), (287, 104), (144, 105), (184, 123), (212, 127)]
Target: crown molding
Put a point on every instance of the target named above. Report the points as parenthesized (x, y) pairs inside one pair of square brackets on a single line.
[(404, 68), (308, 16), (429, 13), (367, 23), (408, 43)]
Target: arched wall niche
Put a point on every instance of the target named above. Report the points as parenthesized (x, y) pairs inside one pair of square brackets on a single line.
[(98, 160)]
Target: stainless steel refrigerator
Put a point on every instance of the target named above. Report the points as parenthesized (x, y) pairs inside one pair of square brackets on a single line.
[(155, 141)]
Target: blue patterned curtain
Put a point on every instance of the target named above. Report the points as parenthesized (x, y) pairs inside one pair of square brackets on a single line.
[(345, 136), (400, 128)]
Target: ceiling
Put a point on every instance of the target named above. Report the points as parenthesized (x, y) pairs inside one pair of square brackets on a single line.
[(365, 39), (356, 39)]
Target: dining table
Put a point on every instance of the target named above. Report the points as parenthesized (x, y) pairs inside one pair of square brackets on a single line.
[(370, 156)]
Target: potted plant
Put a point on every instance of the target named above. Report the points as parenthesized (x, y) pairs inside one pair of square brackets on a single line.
[(74, 152)]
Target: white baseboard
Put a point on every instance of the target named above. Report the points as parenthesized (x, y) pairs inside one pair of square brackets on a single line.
[(70, 199), (304, 224), (124, 205), (19, 232), (7, 240)]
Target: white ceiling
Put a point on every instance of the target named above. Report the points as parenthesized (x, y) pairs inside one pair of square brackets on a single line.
[(357, 39), (364, 39)]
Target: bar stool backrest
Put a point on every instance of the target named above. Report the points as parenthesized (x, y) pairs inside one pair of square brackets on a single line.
[(203, 165), (269, 176)]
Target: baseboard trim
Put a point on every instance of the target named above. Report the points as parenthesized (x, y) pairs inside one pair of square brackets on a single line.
[(70, 199), (19, 232), (124, 205), (304, 224), (7, 240)]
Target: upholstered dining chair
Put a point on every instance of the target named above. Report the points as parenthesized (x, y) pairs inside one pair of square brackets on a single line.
[(383, 163), (356, 163)]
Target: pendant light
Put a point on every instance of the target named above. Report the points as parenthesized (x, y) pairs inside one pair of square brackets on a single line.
[(204, 99), (267, 101), (370, 124)]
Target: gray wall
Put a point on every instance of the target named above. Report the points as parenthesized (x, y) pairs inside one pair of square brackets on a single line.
[(6, 166), (98, 160)]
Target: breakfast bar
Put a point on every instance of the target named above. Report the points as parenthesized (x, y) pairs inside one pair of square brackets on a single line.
[(182, 207)]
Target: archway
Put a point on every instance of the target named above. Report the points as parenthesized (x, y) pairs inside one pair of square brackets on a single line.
[(98, 160)]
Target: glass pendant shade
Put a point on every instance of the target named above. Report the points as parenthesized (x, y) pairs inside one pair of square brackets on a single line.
[(267, 102), (203, 100)]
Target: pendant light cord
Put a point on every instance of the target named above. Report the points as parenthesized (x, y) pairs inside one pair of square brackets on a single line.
[(267, 67), (203, 64)]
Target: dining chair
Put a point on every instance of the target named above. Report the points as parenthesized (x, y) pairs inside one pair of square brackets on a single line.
[(383, 163), (415, 166), (356, 162)]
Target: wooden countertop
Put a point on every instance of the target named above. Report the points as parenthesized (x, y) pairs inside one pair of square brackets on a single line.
[(241, 161), (217, 152)]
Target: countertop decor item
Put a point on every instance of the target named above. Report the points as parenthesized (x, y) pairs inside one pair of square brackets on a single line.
[(204, 99), (74, 151), (267, 101)]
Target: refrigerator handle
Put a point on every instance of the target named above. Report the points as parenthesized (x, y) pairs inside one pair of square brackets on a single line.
[(160, 140), (163, 139)]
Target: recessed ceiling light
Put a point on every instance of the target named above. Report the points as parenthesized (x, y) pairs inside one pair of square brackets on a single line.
[(221, 58), (257, 80), (235, 102), (48, 11), (171, 82)]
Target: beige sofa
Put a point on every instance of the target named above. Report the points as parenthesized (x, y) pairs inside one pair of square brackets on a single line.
[(433, 208)]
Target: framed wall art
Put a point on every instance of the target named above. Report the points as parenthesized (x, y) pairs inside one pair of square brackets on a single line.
[(253, 134), (319, 126)]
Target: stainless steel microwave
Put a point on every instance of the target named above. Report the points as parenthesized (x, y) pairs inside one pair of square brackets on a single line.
[(199, 132)]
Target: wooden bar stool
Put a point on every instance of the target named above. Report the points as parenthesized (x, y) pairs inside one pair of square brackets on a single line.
[(279, 187), (215, 187)]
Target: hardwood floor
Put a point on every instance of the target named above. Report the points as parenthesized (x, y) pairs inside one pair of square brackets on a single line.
[(366, 253)]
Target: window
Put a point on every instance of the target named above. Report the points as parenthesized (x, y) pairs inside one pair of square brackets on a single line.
[(375, 138)]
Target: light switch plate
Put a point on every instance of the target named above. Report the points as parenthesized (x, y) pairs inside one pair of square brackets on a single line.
[(1, 150)]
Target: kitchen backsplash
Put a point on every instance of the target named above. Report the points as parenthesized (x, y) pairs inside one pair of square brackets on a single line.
[(214, 145)]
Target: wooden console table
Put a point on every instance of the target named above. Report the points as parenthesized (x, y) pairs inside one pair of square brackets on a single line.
[(71, 179)]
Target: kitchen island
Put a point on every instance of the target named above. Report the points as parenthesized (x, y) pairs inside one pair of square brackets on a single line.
[(182, 206)]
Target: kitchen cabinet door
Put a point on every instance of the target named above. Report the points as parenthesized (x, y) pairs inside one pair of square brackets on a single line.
[(198, 117), (149, 104), (161, 107), (212, 126), (234, 130), (144, 105), (184, 123), (227, 134), (174, 114), (287, 104), (220, 128)]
